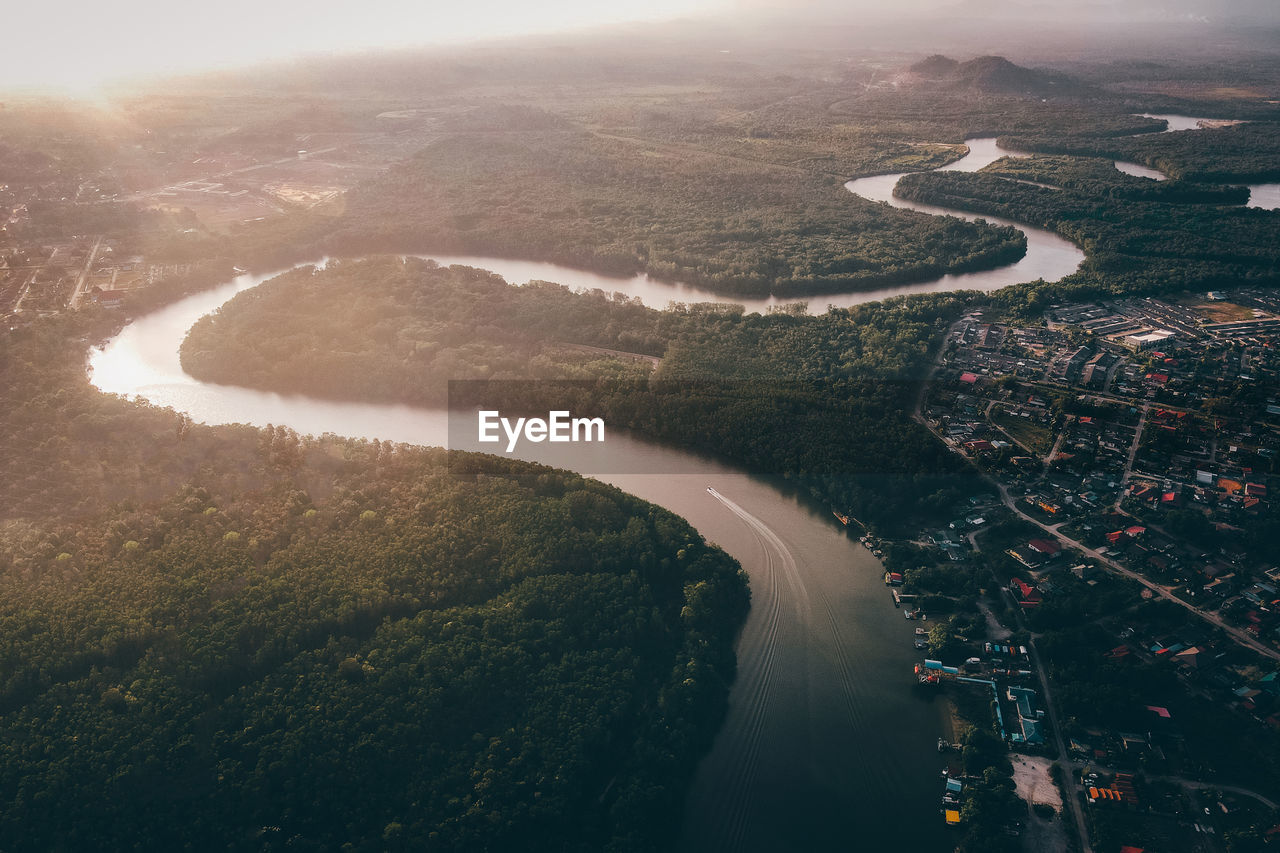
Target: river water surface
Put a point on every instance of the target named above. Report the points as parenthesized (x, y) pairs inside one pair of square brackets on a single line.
[(1049, 256), (827, 745), (1265, 196)]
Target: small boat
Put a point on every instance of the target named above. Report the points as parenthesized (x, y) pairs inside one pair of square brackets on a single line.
[(843, 519), (921, 644), (922, 632)]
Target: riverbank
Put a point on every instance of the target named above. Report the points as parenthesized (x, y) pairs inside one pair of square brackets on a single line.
[(819, 670)]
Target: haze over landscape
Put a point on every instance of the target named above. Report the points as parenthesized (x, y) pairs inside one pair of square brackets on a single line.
[(77, 48)]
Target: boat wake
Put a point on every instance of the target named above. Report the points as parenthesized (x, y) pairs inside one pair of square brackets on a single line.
[(749, 716)]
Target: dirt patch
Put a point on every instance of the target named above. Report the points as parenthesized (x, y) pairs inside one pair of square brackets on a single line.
[(995, 630), (1217, 312), (954, 726), (1034, 783)]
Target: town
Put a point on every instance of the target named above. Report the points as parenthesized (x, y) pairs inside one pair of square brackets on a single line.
[(1101, 615), (102, 208), (1111, 604)]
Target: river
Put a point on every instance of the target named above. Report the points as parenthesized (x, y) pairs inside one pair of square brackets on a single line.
[(827, 745), (1264, 196), (1048, 256), (1045, 250), (826, 740)]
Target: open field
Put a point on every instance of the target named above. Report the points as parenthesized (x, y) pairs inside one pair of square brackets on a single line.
[(1035, 437), (1035, 784)]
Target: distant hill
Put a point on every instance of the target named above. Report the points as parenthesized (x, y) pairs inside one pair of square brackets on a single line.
[(995, 75), (935, 66)]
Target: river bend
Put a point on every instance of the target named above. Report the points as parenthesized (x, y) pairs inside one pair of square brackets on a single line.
[(826, 745)]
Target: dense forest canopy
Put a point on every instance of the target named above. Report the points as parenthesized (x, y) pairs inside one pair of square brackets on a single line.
[(1138, 235), (826, 399), (1241, 153), (332, 333), (514, 659), (625, 205), (237, 636), (282, 643)]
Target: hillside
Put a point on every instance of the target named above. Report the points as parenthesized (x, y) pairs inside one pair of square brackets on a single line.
[(995, 75)]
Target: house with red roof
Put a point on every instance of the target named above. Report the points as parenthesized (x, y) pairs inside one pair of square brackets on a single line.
[(1047, 547), (1027, 595)]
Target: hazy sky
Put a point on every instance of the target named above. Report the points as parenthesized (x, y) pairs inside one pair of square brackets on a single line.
[(76, 44)]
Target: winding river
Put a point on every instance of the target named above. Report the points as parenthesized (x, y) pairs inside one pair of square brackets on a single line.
[(1264, 196), (1048, 256), (825, 740), (826, 746)]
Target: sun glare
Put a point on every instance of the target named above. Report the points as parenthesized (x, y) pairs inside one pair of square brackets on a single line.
[(76, 47)]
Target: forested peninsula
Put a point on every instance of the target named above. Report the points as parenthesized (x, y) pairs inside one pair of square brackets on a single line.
[(242, 637), (1139, 235), (621, 206), (824, 400)]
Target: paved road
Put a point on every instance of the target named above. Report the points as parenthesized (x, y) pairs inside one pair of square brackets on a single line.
[(1237, 634), (1133, 453), (1240, 636), (1194, 784), (1072, 801), (1057, 447), (1008, 500), (77, 295)]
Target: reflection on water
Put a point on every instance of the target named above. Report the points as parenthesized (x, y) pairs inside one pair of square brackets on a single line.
[(1177, 122), (1266, 196), (825, 740), (1140, 171), (1049, 256)]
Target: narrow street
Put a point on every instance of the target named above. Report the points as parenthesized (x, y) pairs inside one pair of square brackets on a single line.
[(1063, 757), (1238, 635), (1133, 453), (1072, 800), (77, 295)]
